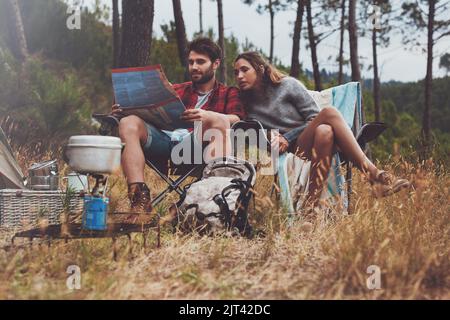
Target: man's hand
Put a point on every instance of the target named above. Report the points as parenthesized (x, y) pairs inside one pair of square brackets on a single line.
[(116, 110), (279, 142), (192, 115)]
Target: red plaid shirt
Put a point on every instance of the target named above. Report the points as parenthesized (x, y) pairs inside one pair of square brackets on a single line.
[(223, 99)]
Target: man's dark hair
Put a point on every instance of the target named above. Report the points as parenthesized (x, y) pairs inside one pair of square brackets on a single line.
[(207, 47)]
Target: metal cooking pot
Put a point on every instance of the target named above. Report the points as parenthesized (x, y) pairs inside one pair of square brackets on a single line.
[(43, 169), (93, 154), (43, 176), (44, 183)]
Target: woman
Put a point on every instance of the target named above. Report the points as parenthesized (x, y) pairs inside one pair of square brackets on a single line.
[(283, 103)]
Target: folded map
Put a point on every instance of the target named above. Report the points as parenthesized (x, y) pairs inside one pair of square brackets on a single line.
[(146, 93)]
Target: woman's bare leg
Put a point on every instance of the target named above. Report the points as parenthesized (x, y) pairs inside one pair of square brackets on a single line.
[(343, 138), (320, 162), (318, 142)]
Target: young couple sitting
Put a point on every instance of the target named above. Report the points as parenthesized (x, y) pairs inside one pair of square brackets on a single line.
[(265, 94)]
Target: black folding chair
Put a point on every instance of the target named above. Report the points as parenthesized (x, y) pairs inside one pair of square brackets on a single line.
[(365, 134)]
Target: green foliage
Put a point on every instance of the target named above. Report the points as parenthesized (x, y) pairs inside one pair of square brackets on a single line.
[(409, 97), (88, 50), (58, 103), (232, 51), (46, 32), (8, 79), (165, 52), (402, 106), (51, 107), (444, 62)]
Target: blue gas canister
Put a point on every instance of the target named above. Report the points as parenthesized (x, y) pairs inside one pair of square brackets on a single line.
[(95, 213)]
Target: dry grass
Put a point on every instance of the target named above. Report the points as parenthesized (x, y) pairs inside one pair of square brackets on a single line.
[(406, 235)]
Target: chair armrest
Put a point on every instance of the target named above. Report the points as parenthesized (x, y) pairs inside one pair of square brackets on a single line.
[(369, 132), (246, 125)]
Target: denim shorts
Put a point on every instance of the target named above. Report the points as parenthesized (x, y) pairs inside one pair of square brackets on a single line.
[(160, 145)]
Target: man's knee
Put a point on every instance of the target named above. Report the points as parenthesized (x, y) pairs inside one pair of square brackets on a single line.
[(220, 122), (130, 126), (324, 135)]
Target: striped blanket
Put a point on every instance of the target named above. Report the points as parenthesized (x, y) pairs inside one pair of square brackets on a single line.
[(293, 172)]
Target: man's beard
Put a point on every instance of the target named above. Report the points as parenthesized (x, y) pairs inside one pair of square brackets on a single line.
[(206, 77)]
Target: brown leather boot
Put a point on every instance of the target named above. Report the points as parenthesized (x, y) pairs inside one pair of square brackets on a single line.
[(140, 198)]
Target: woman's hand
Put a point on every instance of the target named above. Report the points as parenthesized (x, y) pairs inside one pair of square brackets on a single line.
[(279, 142)]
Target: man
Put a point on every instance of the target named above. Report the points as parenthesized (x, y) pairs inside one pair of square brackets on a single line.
[(207, 101)]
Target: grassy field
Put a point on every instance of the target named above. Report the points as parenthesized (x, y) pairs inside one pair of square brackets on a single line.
[(406, 236)]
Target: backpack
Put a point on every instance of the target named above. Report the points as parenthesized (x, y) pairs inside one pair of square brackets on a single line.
[(218, 202)]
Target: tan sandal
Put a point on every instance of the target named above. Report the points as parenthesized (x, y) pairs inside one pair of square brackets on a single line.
[(385, 184)]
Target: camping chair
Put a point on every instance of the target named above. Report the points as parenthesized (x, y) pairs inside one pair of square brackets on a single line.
[(347, 99), (163, 167)]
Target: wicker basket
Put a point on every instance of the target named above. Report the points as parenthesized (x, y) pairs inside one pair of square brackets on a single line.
[(29, 208)]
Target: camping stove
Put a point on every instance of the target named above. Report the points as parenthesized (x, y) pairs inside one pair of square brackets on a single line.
[(96, 202), (96, 157), (100, 187)]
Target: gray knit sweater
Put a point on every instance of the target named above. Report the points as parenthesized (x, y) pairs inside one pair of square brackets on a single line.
[(287, 107)]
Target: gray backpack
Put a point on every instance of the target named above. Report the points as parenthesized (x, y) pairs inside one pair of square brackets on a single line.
[(219, 201)]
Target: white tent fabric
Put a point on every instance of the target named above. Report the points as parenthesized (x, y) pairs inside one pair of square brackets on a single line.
[(10, 173)]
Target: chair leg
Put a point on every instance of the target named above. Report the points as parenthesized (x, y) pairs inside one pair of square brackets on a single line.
[(173, 185), (158, 234), (348, 178), (277, 192), (114, 248), (163, 176)]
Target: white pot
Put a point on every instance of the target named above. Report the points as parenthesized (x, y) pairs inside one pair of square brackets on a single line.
[(94, 154)]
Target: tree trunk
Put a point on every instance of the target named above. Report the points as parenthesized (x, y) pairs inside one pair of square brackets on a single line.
[(20, 42), (426, 120), (376, 78), (116, 33), (313, 46), (181, 37), (295, 62), (341, 45), (353, 35), (200, 13), (137, 25), (223, 64), (272, 35)]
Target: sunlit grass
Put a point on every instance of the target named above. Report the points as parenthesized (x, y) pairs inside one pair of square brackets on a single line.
[(406, 236)]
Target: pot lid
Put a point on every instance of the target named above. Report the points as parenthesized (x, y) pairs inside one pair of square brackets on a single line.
[(45, 164)]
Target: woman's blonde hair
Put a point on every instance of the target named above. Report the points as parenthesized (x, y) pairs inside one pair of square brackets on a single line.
[(269, 73)]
